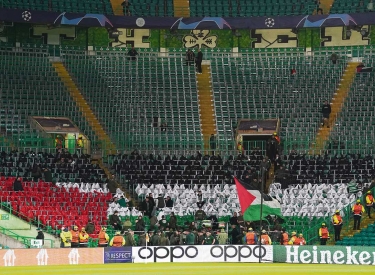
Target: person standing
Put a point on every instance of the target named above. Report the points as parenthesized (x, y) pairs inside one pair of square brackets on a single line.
[(133, 54), (209, 239), (189, 57), (200, 215), (66, 237), (103, 238), (212, 144), (172, 221), (337, 224), (118, 240), (115, 221), (369, 203), (334, 57), (264, 238), (357, 210), (293, 240), (323, 234), (222, 237), (251, 237), (326, 111), (83, 238), (301, 240), (198, 61), (284, 238), (190, 237), (129, 238), (40, 235), (75, 236)]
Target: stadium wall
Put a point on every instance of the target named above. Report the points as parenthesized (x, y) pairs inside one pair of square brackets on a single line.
[(349, 255), (144, 38)]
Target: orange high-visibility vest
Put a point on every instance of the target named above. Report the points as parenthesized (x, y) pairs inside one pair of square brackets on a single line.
[(117, 241), (323, 232), (265, 239), (369, 200), (250, 238), (75, 236), (337, 220), (358, 209), (285, 238), (83, 239), (102, 238)]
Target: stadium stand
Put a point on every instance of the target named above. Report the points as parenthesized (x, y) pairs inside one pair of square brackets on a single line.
[(89, 6), (349, 6), (54, 206), (128, 96), (241, 8), (162, 8), (295, 100), (30, 87)]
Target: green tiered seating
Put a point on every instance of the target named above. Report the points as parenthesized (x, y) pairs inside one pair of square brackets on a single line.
[(240, 8), (31, 87), (127, 95), (366, 237), (349, 6), (259, 86), (163, 8), (355, 127)]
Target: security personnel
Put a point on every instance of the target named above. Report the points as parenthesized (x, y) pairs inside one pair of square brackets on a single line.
[(240, 148), (66, 237), (117, 240), (264, 238), (369, 203), (83, 238), (58, 143), (357, 210), (103, 238), (337, 224), (75, 236), (251, 237), (323, 234), (277, 138), (284, 238), (293, 240), (301, 240)]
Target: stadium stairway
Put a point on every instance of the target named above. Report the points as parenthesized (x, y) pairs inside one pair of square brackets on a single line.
[(206, 108), (117, 7), (326, 5), (20, 230), (181, 8), (84, 106), (336, 106), (348, 231)]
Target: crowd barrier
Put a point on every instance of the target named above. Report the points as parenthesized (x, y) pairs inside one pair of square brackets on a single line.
[(359, 255)]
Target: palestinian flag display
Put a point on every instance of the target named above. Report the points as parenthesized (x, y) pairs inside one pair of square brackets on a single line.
[(250, 200)]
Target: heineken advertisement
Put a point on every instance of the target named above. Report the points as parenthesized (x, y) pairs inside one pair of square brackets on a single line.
[(359, 255)]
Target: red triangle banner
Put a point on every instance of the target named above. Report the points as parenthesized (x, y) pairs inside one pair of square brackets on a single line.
[(245, 198)]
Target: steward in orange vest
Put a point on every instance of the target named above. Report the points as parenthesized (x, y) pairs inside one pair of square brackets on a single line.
[(284, 239), (264, 238), (117, 240), (75, 236), (300, 240), (369, 203), (251, 237), (323, 234), (337, 224), (293, 239), (357, 210), (83, 238), (103, 237)]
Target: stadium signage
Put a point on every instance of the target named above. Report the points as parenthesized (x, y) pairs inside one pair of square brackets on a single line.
[(215, 253), (325, 255), (117, 255)]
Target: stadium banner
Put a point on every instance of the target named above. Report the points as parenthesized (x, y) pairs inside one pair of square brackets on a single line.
[(191, 23), (53, 256), (358, 255), (117, 255), (203, 253)]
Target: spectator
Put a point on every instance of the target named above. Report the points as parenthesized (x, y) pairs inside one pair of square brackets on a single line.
[(115, 221), (326, 111), (163, 223), (175, 238), (164, 241), (118, 240), (154, 223), (129, 238), (122, 201), (152, 200), (209, 239), (189, 57), (155, 241), (133, 54), (127, 224), (200, 215), (130, 203), (200, 237), (212, 144), (147, 207), (36, 172), (240, 219), (140, 224), (192, 226), (47, 175), (190, 237), (90, 227), (103, 238), (17, 185), (293, 72), (168, 202), (172, 221), (40, 235), (277, 162), (161, 202), (222, 237), (370, 6), (198, 61), (142, 240), (334, 57)]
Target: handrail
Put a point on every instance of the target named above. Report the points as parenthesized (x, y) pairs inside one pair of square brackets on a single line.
[(24, 239)]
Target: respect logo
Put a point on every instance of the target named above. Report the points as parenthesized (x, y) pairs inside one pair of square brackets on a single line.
[(117, 255)]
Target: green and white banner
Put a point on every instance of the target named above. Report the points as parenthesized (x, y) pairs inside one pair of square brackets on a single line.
[(359, 255)]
